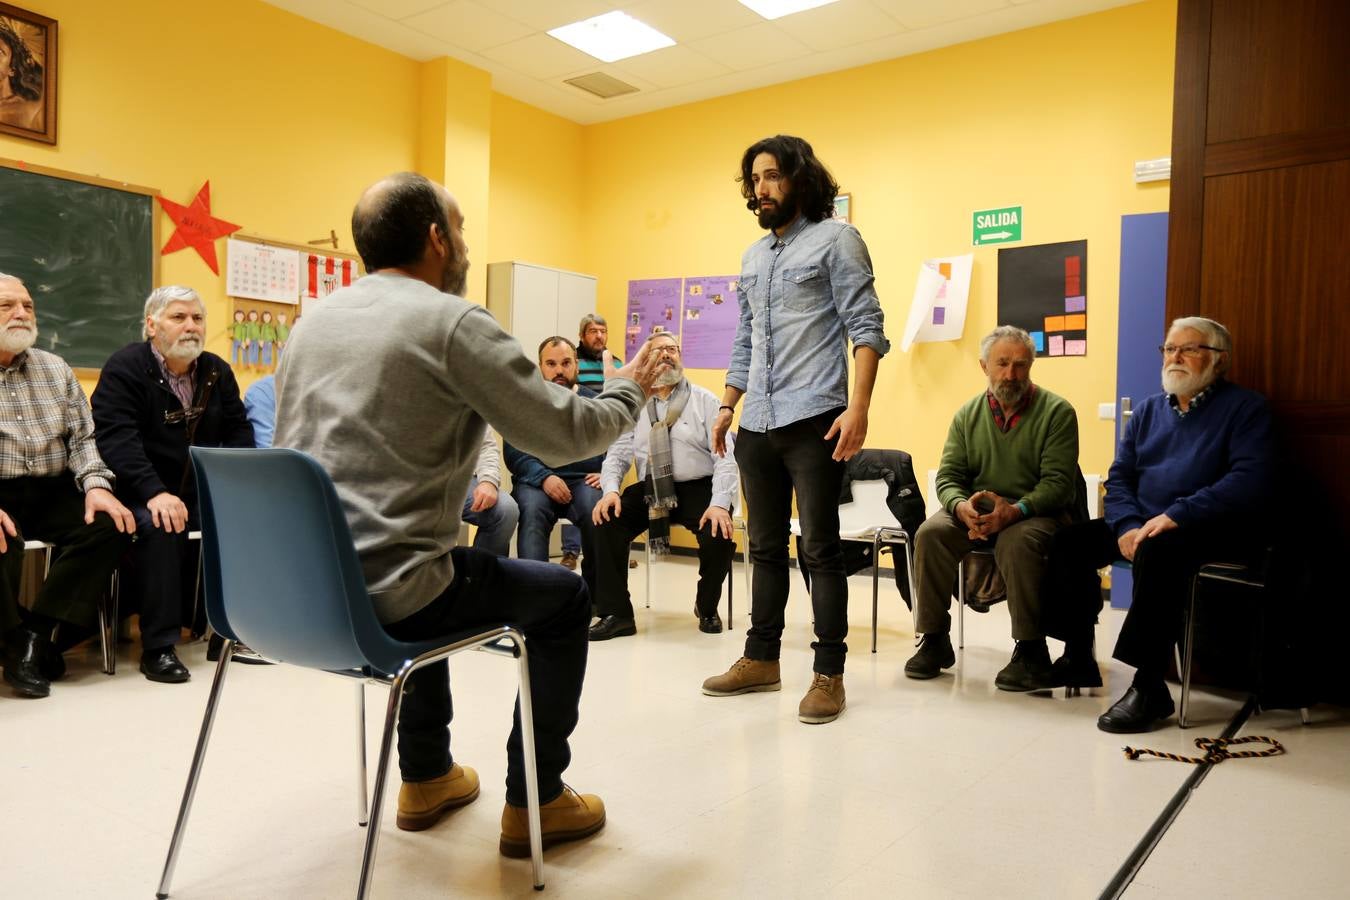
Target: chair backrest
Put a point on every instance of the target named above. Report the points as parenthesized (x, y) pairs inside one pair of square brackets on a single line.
[(279, 569), (868, 509)]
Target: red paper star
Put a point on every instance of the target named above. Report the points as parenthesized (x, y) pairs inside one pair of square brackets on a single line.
[(196, 227)]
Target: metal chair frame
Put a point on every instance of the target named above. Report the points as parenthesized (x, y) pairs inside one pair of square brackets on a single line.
[(107, 607), (737, 525)]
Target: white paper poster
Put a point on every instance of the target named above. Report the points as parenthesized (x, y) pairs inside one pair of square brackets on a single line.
[(261, 272), (941, 292)]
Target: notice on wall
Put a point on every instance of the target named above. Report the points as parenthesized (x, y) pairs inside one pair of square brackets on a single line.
[(708, 321), (1043, 289), (256, 271), (653, 305), (941, 294)]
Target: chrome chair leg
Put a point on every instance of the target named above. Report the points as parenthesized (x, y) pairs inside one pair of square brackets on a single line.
[(363, 782), (647, 546), (195, 771), (961, 605), (103, 633), (531, 772), (876, 569), (1303, 715), (114, 621), (381, 773), (1187, 657)]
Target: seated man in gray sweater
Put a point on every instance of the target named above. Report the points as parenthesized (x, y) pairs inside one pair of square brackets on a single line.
[(388, 384)]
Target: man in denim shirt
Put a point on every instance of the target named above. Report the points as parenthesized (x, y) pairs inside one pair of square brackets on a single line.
[(805, 291)]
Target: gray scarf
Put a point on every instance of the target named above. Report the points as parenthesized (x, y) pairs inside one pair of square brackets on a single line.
[(659, 487)]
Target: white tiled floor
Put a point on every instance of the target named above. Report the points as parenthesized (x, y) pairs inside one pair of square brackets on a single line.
[(946, 788)]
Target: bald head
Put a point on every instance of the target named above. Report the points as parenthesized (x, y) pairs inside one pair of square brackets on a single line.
[(411, 223)]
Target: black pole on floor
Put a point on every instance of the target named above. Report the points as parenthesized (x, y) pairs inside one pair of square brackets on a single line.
[(1140, 854)]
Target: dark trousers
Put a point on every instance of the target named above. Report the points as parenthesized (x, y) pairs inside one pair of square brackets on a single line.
[(773, 464), (551, 606), (1163, 568), (163, 579), (52, 510), (613, 537)]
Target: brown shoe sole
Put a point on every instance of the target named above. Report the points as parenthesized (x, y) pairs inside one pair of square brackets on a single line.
[(516, 848), (821, 720), (424, 820), (748, 689)]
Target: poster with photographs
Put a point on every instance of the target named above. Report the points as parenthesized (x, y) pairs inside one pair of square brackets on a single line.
[(711, 314)]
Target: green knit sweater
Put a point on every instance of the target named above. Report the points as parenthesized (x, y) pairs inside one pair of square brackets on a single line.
[(1033, 463)]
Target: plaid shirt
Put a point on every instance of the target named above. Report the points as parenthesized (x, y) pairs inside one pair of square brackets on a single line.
[(1198, 400), (1006, 423), (45, 424)]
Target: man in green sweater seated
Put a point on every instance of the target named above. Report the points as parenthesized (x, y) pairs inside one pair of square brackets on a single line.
[(1006, 478)]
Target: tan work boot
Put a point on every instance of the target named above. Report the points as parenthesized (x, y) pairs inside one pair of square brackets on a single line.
[(744, 676), (422, 803), (824, 701), (570, 817)]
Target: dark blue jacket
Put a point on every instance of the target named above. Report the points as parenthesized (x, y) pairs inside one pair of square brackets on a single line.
[(527, 469)]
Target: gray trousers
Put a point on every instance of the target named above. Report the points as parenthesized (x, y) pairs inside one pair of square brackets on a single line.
[(1019, 551)]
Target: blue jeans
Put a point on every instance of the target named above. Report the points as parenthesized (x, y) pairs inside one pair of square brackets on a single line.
[(538, 515), (571, 539), (495, 524)]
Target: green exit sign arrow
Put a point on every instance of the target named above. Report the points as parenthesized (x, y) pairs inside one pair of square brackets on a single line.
[(997, 226)]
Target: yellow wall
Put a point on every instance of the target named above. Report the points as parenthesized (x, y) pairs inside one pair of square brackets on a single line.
[(1052, 118)]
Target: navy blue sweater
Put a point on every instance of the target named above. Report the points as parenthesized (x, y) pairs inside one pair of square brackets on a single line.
[(1215, 462)]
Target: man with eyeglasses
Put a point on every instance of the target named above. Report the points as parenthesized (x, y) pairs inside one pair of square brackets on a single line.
[(155, 398), (1190, 477)]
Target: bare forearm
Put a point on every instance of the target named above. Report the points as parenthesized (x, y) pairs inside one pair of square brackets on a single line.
[(865, 361)]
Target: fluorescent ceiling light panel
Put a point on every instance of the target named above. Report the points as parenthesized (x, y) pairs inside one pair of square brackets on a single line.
[(612, 37), (776, 9)]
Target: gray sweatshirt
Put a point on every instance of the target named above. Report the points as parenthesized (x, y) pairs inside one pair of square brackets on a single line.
[(387, 383)]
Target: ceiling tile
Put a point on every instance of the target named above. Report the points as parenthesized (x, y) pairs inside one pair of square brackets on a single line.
[(839, 25), (690, 20), (925, 14), (468, 25), (750, 48), (541, 56), (397, 9), (673, 66), (367, 26), (547, 14)]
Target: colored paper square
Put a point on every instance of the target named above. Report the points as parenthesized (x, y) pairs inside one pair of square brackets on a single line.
[(1073, 286), (1072, 266), (1075, 304), (1038, 337), (1056, 345), (1075, 323), (945, 270), (1054, 323), (1075, 348), (939, 315)]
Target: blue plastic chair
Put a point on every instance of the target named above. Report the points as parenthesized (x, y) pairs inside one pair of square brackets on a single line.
[(272, 517)]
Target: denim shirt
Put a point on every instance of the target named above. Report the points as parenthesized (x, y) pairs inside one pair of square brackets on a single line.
[(802, 298)]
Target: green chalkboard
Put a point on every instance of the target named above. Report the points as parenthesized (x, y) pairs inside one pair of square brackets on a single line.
[(87, 252)]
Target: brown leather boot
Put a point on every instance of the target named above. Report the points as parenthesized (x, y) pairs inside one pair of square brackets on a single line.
[(570, 817), (824, 701), (744, 676), (422, 803)]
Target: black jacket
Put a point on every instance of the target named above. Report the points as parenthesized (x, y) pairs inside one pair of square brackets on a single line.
[(148, 455)]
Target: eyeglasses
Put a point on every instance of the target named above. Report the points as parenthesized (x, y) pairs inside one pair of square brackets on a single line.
[(182, 415), (1190, 351)]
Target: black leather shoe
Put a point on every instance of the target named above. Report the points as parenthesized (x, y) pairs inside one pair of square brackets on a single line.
[(1139, 710), (710, 624), (24, 651), (935, 654), (1028, 670), (611, 627), (1075, 671), (162, 665), (52, 664)]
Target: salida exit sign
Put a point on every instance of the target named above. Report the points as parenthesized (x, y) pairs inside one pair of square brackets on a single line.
[(997, 226)]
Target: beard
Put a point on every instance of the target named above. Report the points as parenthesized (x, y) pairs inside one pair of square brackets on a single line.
[(1011, 393), (564, 381), (185, 349), (15, 339), (455, 278), (776, 215), (1177, 379), (669, 377)]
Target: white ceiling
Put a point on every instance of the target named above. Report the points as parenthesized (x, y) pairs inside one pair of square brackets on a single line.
[(721, 46)]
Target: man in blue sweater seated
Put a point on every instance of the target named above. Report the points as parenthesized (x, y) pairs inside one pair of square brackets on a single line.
[(569, 491), (1188, 486)]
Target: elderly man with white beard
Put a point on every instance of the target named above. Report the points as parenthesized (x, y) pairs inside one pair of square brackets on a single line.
[(53, 488), (155, 398), (1190, 479)]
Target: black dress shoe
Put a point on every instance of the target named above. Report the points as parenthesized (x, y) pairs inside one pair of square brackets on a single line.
[(1139, 710), (710, 624), (611, 627), (1075, 671), (162, 665), (24, 652), (1028, 670)]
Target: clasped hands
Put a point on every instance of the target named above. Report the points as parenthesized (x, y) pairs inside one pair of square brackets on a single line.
[(983, 525)]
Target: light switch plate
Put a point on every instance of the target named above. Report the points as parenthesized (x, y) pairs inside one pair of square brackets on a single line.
[(1106, 411)]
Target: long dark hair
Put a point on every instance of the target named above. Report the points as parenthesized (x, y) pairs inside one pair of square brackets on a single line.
[(810, 182), (25, 71)]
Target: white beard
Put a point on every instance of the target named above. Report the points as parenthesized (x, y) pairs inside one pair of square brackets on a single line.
[(1180, 380), (669, 377), (17, 340), (183, 350)]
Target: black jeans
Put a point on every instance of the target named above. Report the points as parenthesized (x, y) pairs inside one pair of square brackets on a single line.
[(613, 537), (1163, 568), (552, 607), (163, 579), (773, 464), (52, 510)]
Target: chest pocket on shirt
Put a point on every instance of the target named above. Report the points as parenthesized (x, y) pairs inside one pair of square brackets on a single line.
[(804, 288)]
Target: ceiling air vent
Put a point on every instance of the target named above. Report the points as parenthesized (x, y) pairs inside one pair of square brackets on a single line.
[(601, 85)]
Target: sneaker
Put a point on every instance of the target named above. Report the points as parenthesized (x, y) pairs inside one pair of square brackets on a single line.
[(745, 676), (422, 803), (935, 654), (570, 817), (824, 701), (1028, 670), (569, 560)]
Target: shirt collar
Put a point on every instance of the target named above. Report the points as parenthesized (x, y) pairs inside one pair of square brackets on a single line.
[(18, 362), (164, 365), (792, 232), (1198, 400)]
